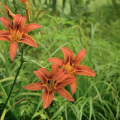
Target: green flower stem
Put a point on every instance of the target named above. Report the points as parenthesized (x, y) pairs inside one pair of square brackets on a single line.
[(5, 2), (13, 82), (14, 2)]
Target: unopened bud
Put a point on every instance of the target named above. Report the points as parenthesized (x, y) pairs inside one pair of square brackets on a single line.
[(9, 13), (27, 14), (38, 13)]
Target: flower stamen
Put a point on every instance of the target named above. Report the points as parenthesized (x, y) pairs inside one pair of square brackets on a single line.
[(50, 85), (55, 82), (12, 27), (48, 81), (17, 27)]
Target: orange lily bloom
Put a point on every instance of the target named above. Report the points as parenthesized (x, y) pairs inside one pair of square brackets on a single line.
[(71, 65), (49, 84), (9, 13), (16, 32)]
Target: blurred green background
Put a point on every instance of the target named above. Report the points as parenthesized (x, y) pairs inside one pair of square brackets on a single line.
[(90, 24)]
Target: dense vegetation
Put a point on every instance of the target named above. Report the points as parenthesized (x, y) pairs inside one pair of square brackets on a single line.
[(98, 32)]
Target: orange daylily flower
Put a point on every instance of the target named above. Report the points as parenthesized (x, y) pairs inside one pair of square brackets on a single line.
[(16, 32), (9, 13), (71, 65), (49, 84)]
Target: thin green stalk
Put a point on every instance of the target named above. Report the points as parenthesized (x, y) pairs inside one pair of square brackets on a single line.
[(13, 82), (6, 59), (93, 28), (63, 6), (14, 2), (40, 102), (35, 4), (66, 112), (5, 2), (54, 6), (5, 46)]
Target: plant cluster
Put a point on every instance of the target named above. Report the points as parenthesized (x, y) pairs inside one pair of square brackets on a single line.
[(56, 79), (27, 92)]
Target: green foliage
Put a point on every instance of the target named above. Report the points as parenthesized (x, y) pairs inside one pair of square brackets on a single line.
[(98, 32)]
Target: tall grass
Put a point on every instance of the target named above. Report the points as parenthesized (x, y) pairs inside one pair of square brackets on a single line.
[(95, 98)]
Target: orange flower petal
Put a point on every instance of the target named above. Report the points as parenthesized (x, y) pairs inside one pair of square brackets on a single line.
[(16, 21), (80, 56), (28, 40), (60, 75), (84, 70), (73, 86), (6, 22), (54, 69), (68, 54), (64, 93), (21, 24), (56, 60), (9, 13), (13, 49), (4, 35), (42, 74), (34, 86), (30, 27), (65, 82), (4, 38), (47, 98)]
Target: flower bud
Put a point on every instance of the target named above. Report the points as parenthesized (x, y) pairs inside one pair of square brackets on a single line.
[(27, 14)]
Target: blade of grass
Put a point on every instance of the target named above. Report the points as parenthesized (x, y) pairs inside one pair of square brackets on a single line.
[(13, 82), (57, 112), (93, 28), (40, 102), (91, 109), (66, 111)]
